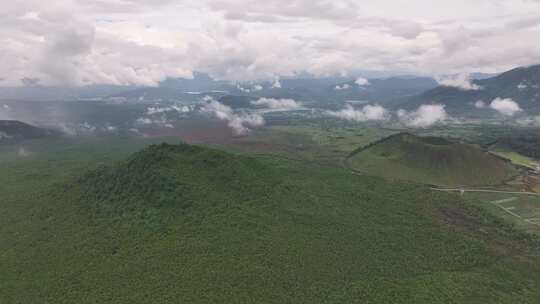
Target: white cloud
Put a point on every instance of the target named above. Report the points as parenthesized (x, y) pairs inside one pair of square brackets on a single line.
[(157, 110), (460, 81), (251, 89), (480, 104), (240, 123), (521, 86), (505, 106), (135, 130), (183, 109), (361, 82), (424, 116), (242, 89), (276, 84), (165, 109), (77, 42), (160, 121), (30, 16), (110, 128), (80, 129), (207, 98), (345, 86), (367, 113), (144, 121), (87, 127), (4, 135), (273, 103)]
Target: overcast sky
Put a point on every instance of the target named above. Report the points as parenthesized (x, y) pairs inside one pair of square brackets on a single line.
[(77, 42)]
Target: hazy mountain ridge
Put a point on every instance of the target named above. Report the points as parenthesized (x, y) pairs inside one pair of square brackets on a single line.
[(304, 87), (521, 85), (386, 90), (13, 130)]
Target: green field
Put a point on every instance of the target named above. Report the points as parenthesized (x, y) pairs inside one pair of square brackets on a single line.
[(84, 224), (521, 210), (329, 142), (518, 159)]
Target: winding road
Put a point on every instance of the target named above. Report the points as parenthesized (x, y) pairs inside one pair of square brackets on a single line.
[(484, 191)]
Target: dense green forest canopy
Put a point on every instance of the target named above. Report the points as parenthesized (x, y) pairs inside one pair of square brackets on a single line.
[(179, 223)]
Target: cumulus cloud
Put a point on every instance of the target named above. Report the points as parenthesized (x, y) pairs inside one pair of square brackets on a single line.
[(460, 81), (505, 106), (4, 135), (424, 116), (161, 121), (480, 104), (165, 109), (135, 131), (77, 42), (162, 115), (111, 129), (276, 84), (240, 123), (345, 86), (282, 103), (254, 88), (144, 121), (367, 113), (85, 128), (157, 109), (522, 86), (361, 82), (67, 44)]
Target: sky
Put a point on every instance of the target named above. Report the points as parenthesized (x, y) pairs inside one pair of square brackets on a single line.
[(138, 42)]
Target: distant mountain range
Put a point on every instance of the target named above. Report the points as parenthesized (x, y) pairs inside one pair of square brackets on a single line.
[(387, 90), (522, 85), (305, 88)]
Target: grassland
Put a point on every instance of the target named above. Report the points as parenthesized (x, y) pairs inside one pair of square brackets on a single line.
[(521, 210), (317, 234), (518, 159), (329, 141)]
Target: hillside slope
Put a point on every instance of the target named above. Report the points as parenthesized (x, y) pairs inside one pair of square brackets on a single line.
[(521, 85), (13, 130), (183, 224), (386, 91), (172, 177), (431, 160)]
